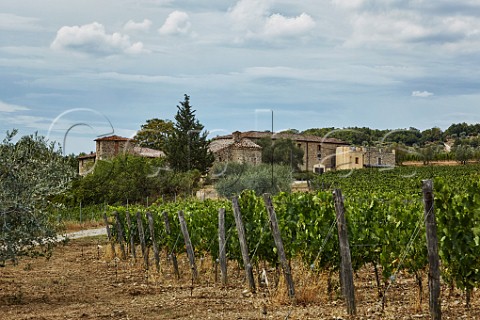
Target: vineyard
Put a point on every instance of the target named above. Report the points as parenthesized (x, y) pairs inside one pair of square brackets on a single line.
[(384, 216)]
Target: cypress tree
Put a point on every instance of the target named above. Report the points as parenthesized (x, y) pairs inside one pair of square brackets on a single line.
[(187, 147)]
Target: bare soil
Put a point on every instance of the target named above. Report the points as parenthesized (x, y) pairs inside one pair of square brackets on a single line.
[(83, 281), (435, 163)]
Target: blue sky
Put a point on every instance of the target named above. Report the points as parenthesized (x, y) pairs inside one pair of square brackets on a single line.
[(75, 70)]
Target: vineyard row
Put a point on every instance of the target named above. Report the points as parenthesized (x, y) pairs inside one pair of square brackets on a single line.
[(386, 232)]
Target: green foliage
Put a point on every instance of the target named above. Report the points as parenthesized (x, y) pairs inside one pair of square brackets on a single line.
[(187, 147), (154, 133), (462, 129), (463, 153), (130, 179), (32, 172), (366, 136), (434, 134), (457, 210), (282, 151), (233, 178)]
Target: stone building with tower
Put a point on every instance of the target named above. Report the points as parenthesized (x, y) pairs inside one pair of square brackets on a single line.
[(112, 146)]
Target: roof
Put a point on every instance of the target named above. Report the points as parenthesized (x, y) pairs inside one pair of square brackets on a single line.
[(219, 144), (112, 138), (291, 136), (87, 156)]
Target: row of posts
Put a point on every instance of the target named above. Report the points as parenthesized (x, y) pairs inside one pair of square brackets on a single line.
[(346, 270)]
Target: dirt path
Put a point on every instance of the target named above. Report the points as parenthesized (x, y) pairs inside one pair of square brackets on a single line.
[(83, 234)]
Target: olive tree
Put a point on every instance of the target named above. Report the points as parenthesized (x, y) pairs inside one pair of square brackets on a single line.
[(32, 171), (232, 178)]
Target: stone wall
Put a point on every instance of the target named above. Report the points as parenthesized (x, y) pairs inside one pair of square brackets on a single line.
[(379, 157), (85, 165), (246, 155), (107, 149), (316, 153)]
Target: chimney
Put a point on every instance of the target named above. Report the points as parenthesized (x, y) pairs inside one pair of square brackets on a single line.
[(236, 136)]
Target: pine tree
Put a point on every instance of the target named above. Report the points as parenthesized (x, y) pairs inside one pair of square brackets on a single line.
[(187, 147)]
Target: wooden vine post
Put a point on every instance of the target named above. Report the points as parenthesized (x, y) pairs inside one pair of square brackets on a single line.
[(173, 255), (109, 234), (131, 236), (188, 244), (222, 255), (151, 227), (243, 244), (120, 234), (346, 270), (141, 236), (279, 244), (432, 248)]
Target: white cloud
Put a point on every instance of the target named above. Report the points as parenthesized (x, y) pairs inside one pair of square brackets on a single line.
[(249, 14), (399, 24), (254, 19), (19, 23), (278, 25), (422, 94), (93, 39), (6, 107), (143, 26), (177, 23)]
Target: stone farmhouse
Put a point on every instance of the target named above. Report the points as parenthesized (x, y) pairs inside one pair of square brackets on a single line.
[(363, 157), (236, 148), (319, 153), (110, 147)]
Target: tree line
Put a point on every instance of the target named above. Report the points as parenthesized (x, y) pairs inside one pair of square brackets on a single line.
[(408, 137)]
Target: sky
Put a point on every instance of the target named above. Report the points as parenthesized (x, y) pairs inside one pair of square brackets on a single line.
[(77, 70)]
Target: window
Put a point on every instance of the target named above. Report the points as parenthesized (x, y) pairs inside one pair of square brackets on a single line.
[(357, 160), (379, 161)]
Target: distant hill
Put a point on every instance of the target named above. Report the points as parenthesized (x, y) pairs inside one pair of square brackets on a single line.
[(461, 133)]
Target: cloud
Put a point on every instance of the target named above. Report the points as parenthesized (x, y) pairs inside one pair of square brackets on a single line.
[(93, 39), (6, 107), (143, 26), (12, 22), (253, 19), (177, 23), (278, 25), (249, 14), (422, 94), (411, 23)]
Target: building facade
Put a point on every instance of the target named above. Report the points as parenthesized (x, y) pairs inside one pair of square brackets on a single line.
[(364, 157)]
